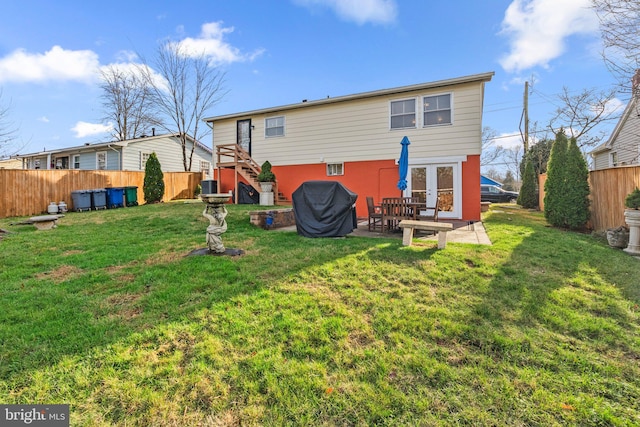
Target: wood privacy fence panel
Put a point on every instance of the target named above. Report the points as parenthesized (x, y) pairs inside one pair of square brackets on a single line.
[(29, 192), (609, 188)]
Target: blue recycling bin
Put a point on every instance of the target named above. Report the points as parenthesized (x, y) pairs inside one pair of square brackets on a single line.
[(115, 197), (98, 198), (81, 200)]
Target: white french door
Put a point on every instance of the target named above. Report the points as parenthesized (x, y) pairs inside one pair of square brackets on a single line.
[(441, 180)]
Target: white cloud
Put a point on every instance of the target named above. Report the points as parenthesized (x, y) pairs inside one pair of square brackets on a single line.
[(537, 30), (614, 106), (43, 119), (56, 64), (83, 129), (508, 140), (211, 44), (359, 11)]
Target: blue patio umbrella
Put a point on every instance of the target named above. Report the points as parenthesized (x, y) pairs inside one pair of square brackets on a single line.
[(403, 164)]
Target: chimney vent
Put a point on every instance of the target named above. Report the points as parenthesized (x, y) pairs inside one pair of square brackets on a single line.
[(635, 80)]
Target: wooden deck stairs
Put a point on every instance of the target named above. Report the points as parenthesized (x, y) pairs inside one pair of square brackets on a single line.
[(232, 156)]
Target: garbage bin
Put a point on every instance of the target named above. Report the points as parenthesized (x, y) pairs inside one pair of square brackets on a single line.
[(115, 197), (98, 198), (81, 200), (209, 186), (131, 195)]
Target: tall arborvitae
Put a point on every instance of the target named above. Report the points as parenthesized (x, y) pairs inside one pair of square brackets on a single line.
[(528, 197), (577, 195), (555, 186), (153, 180)]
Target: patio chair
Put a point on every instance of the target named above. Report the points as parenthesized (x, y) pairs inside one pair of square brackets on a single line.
[(430, 213), (375, 215)]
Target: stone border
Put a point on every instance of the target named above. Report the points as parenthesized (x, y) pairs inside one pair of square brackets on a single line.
[(273, 218)]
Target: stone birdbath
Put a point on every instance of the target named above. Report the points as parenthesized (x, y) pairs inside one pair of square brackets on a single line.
[(216, 212)]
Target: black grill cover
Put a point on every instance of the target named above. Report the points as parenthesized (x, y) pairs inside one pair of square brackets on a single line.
[(247, 194), (324, 209)]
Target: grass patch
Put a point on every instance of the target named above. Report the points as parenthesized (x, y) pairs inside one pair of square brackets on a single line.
[(106, 313)]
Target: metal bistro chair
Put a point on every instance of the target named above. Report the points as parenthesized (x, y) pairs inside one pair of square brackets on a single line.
[(375, 215)]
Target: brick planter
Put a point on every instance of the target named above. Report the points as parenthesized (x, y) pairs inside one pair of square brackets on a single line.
[(274, 218)]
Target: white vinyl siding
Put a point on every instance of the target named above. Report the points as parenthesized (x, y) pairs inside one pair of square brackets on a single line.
[(627, 143), (358, 129), (168, 149)]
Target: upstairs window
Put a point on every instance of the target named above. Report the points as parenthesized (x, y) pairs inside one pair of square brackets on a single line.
[(274, 126), (403, 114), (437, 110)]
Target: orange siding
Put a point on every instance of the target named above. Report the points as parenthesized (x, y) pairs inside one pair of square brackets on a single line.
[(376, 178), (471, 189)]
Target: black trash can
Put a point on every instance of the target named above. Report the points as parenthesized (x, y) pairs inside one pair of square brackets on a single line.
[(209, 186)]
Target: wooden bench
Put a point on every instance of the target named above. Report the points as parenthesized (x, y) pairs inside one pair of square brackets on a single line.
[(409, 225), (45, 222)]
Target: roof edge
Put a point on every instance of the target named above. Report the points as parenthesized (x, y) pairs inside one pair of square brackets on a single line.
[(482, 77)]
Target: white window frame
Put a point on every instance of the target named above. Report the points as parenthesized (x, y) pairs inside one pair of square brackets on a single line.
[(613, 159), (98, 155), (205, 167), (76, 161), (144, 156), (267, 127), (335, 169), (424, 110), (415, 113)]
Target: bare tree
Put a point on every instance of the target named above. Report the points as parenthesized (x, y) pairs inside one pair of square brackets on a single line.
[(619, 23), (188, 86), (8, 131), (579, 115), (490, 150), (127, 100), (512, 158)]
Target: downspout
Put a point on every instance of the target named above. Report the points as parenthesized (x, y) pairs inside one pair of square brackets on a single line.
[(119, 157)]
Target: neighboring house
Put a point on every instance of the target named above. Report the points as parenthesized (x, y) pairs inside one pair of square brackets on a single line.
[(10, 164), (485, 180), (623, 146), (355, 139), (130, 155)]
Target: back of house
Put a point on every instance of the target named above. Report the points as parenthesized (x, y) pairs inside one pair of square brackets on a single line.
[(355, 139)]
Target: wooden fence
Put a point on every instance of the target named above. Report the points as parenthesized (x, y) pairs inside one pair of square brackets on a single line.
[(609, 188), (29, 192)]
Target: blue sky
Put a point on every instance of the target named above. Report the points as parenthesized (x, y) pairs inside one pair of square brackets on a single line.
[(279, 52)]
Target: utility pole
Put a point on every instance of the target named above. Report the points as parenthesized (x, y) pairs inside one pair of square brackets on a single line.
[(526, 117)]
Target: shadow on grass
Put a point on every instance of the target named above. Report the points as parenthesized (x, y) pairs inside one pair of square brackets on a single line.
[(562, 304), (102, 276)]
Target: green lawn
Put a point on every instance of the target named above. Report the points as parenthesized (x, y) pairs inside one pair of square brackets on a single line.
[(107, 314)]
